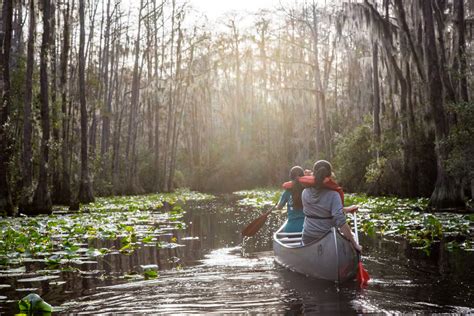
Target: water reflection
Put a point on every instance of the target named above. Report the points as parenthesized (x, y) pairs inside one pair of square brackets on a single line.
[(407, 279), (209, 274)]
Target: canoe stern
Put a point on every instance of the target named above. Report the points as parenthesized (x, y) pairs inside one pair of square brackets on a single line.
[(330, 258)]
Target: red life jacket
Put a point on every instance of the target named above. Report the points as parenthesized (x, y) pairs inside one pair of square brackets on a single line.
[(309, 181)]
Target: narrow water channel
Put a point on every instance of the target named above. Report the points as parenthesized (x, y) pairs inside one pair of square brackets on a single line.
[(214, 273)]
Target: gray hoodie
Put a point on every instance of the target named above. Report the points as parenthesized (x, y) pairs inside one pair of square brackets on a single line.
[(321, 203)]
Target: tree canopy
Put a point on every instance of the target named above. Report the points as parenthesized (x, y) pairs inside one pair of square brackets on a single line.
[(102, 97)]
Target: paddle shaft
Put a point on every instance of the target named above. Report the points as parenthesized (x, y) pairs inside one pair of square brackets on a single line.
[(355, 228), (256, 224), (362, 274), (269, 211)]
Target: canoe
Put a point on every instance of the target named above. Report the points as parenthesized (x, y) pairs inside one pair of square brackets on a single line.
[(331, 257)]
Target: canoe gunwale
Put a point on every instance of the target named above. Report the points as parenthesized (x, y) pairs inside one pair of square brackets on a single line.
[(276, 239)]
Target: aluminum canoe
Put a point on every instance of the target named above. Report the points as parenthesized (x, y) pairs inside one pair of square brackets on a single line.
[(331, 257)]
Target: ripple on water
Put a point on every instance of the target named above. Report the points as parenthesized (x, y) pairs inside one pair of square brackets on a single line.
[(230, 257), (223, 282)]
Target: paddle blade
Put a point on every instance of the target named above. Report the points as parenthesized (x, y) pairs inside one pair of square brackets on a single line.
[(362, 275), (255, 226)]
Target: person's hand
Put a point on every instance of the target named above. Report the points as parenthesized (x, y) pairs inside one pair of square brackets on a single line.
[(351, 209), (357, 247), (308, 172)]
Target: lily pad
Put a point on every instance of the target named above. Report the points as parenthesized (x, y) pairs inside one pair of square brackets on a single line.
[(34, 303)]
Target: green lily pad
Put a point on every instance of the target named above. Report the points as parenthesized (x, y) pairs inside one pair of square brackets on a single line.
[(34, 303)]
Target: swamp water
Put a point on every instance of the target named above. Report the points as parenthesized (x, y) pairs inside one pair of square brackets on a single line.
[(196, 264)]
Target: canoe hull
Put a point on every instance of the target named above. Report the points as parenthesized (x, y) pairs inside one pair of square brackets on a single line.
[(332, 257)]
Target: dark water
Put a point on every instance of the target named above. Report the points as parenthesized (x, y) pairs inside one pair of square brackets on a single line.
[(213, 273)]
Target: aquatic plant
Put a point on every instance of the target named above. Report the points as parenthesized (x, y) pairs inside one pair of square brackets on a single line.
[(33, 304), (393, 217), (258, 198), (396, 217), (62, 236)]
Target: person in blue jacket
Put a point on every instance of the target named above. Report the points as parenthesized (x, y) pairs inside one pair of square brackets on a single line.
[(292, 199)]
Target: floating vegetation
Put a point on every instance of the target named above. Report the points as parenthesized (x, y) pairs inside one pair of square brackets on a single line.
[(62, 237), (391, 216), (394, 217), (258, 198), (150, 271), (33, 304)]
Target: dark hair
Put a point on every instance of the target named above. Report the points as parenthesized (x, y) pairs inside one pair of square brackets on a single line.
[(297, 188), (321, 170)]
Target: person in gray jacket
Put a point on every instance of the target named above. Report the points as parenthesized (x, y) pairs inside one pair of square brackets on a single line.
[(323, 208)]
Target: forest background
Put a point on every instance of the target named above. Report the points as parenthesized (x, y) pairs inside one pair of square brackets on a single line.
[(102, 97)]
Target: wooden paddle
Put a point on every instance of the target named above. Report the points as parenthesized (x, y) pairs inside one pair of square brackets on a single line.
[(362, 274), (256, 224)]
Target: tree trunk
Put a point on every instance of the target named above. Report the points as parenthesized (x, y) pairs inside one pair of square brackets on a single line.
[(65, 195), (134, 104), (89, 49), (446, 194), (376, 105), (461, 48), (26, 198), (17, 39), (317, 87), (170, 106), (157, 117), (56, 172), (400, 10), (106, 112), (117, 185), (413, 181), (42, 199), (235, 129), (5, 45), (157, 147), (85, 186), (439, 14), (178, 102)]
